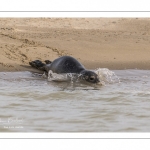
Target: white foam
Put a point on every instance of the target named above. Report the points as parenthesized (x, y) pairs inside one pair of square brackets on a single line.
[(106, 76), (62, 77)]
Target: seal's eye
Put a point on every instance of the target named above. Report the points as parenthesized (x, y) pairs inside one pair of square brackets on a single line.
[(92, 78)]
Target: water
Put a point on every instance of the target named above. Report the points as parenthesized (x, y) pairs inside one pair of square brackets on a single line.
[(31, 103)]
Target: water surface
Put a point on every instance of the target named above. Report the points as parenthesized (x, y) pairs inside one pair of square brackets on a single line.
[(31, 103)]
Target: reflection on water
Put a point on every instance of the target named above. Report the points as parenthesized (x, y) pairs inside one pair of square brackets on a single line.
[(29, 102)]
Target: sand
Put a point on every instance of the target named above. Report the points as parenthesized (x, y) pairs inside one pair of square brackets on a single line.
[(113, 43)]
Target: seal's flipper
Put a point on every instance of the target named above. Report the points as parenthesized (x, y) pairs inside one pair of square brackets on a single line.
[(48, 62), (37, 64)]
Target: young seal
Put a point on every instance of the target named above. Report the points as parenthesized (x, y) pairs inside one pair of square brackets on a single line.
[(66, 64)]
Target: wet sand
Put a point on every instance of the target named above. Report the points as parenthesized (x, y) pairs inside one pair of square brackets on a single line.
[(113, 43)]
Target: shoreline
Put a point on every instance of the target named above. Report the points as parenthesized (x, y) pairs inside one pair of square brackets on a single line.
[(113, 43), (94, 66)]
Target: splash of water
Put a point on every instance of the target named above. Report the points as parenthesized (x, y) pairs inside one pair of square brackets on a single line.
[(105, 75), (73, 77)]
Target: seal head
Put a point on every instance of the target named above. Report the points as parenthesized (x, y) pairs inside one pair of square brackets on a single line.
[(89, 76)]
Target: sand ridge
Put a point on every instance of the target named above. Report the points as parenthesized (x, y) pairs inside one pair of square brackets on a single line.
[(114, 43)]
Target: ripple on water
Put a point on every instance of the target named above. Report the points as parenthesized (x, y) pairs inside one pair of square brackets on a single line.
[(120, 104)]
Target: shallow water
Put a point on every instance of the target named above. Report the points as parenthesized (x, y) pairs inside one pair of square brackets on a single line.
[(31, 103)]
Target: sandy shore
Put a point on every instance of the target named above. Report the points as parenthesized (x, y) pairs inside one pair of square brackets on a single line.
[(113, 43)]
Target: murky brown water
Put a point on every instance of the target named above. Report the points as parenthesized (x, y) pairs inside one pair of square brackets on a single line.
[(31, 103)]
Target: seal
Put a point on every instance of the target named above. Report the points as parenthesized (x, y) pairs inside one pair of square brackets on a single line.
[(66, 64)]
